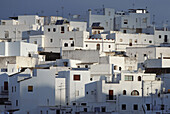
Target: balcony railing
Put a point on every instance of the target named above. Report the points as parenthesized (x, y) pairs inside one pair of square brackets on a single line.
[(111, 98)]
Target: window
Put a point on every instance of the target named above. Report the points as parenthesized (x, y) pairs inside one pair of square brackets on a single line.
[(125, 21), (65, 44), (54, 29), (115, 67), (83, 104), (128, 78), (48, 29), (30, 88), (86, 45), (16, 102), (124, 92), (136, 41), (166, 38), (5, 85), (123, 106), (74, 103), (72, 44), (71, 38), (121, 40), (134, 93), (111, 95), (76, 77), (41, 112), (139, 78), (144, 55), (12, 89), (98, 46), (65, 64), (135, 107), (148, 106), (85, 109), (124, 31), (51, 40), (109, 46), (6, 34), (159, 36), (62, 29), (150, 41), (120, 68), (103, 109), (35, 42), (15, 89), (47, 112), (86, 66)]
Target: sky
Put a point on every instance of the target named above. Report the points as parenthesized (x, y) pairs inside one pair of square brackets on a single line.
[(159, 8)]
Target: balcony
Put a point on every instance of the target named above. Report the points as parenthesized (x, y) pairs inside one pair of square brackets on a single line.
[(111, 98)]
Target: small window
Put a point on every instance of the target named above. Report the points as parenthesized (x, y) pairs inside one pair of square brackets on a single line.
[(15, 89), (166, 38), (86, 45), (30, 88), (91, 79), (83, 104), (35, 42), (135, 93), (76, 77), (6, 86), (129, 78), (74, 104), (62, 29), (125, 21), (124, 31), (54, 29), (87, 93), (12, 89), (86, 66), (144, 55), (47, 112), (120, 68), (135, 107), (109, 46), (124, 92), (85, 109), (51, 40), (121, 40), (150, 41), (148, 106), (65, 44), (98, 46), (41, 112), (71, 38), (48, 29), (159, 36), (16, 102), (103, 109), (123, 106), (139, 78)]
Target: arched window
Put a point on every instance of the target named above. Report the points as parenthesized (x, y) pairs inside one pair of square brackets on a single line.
[(124, 92), (139, 78), (135, 93), (98, 46)]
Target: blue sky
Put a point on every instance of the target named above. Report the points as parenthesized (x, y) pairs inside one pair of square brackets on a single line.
[(160, 8)]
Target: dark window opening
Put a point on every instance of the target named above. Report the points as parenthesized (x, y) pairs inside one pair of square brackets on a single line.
[(124, 92), (54, 29), (159, 36), (85, 109), (30, 88), (139, 78), (135, 107), (65, 44), (123, 106), (166, 38), (76, 77), (62, 29), (124, 31), (148, 106), (135, 93), (6, 86), (48, 29), (103, 109)]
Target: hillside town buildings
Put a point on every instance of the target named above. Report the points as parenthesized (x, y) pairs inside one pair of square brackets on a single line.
[(111, 62)]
